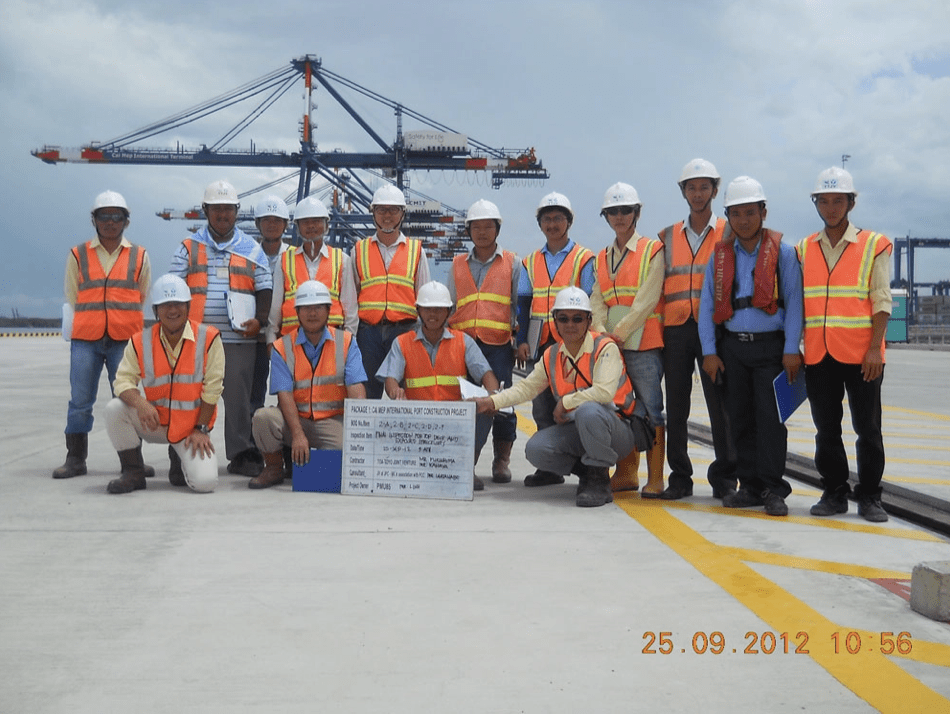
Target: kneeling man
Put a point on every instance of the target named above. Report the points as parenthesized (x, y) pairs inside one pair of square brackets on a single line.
[(312, 370), (180, 364), (595, 424)]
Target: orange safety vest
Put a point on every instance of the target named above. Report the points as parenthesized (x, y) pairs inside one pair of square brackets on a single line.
[(329, 272), (554, 365), (621, 290), (765, 278), (838, 301), (683, 285), (175, 391), (545, 289), (387, 295), (484, 313), (240, 275), (318, 392), (108, 305), (441, 381)]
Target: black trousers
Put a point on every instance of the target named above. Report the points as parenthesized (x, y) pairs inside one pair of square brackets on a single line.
[(827, 383), (760, 437)]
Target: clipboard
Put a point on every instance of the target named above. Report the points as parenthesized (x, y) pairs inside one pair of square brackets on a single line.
[(241, 308), (535, 325), (789, 397)]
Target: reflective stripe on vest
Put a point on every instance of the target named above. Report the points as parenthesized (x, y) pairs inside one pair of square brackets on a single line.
[(624, 400), (838, 302), (318, 391), (387, 294), (683, 284), (484, 312), (441, 381), (621, 290), (175, 392), (329, 272), (545, 289), (108, 305), (240, 276)]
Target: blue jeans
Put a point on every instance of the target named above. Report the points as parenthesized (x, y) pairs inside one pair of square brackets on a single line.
[(501, 358), (86, 358), (645, 370)]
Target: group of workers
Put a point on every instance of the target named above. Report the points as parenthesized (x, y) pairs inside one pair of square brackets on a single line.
[(597, 333)]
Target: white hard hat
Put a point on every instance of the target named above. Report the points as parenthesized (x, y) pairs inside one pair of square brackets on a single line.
[(555, 200), (699, 168), (110, 199), (271, 206), (221, 192), (743, 189), (312, 292), (388, 195), (433, 294), (834, 180), (310, 207), (482, 209), (620, 194), (170, 288), (572, 298)]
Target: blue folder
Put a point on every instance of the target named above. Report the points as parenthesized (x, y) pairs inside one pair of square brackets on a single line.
[(789, 397), (324, 472)]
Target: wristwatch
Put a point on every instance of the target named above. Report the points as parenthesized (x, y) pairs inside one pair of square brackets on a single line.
[(203, 428)]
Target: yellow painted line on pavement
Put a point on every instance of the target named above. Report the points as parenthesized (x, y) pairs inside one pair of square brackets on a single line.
[(915, 412), (821, 566), (869, 674), (918, 479)]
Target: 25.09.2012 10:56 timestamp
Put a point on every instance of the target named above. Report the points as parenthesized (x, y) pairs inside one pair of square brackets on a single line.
[(771, 643)]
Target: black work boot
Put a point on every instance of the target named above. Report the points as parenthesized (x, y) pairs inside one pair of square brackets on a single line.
[(831, 503), (594, 487), (148, 470), (133, 472), (176, 474), (542, 478), (77, 447)]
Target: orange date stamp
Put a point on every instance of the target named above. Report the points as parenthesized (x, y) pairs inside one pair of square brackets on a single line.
[(768, 643)]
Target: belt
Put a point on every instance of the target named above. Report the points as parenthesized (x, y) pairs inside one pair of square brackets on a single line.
[(755, 336)]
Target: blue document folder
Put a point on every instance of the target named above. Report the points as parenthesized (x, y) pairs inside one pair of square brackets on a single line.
[(789, 397), (323, 473)]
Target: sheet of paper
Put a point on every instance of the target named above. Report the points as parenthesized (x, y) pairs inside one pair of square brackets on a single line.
[(67, 321), (471, 391), (241, 308)]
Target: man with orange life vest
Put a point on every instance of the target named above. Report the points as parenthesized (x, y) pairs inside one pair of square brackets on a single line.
[(388, 268), (106, 282), (627, 305), (428, 362), (483, 284), (559, 264), (179, 363), (595, 424), (217, 260), (847, 305), (687, 248), (314, 368), (752, 293), (313, 259)]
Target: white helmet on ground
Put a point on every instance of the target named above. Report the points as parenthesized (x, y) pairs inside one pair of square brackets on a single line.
[(572, 298), (555, 200), (388, 195), (834, 180), (221, 192), (433, 294), (699, 168), (482, 209), (310, 207), (743, 189), (170, 288), (271, 206), (312, 292), (620, 194), (110, 199)]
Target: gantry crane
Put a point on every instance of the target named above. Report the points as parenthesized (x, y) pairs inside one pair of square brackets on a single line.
[(348, 175)]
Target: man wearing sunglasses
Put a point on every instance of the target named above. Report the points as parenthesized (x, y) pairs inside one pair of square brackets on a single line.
[(107, 279), (627, 304), (595, 424)]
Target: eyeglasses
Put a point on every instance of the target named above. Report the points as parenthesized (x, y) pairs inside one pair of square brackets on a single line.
[(576, 319), (387, 210), (110, 217), (619, 210)]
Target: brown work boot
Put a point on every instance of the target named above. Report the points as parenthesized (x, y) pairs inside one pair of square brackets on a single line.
[(500, 471), (273, 473), (77, 447), (625, 477), (133, 472), (594, 487), (656, 458)]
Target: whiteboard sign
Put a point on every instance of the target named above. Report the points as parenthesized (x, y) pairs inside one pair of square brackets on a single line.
[(408, 449)]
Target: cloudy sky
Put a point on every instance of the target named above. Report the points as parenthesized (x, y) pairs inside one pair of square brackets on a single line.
[(604, 91)]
